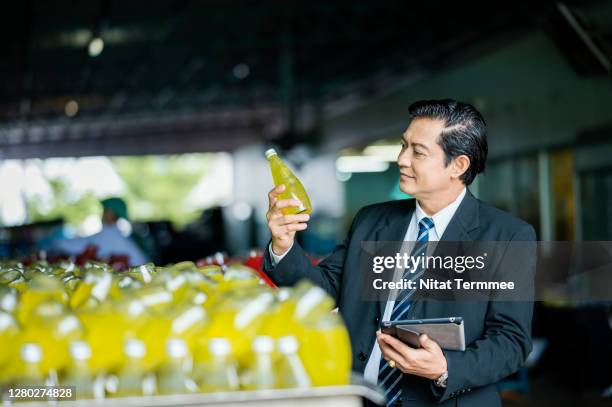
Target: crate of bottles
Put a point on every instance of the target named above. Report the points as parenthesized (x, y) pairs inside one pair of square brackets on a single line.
[(150, 332)]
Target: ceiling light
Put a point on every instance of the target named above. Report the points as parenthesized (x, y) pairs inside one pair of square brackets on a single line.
[(242, 211), (96, 46), (71, 108), (384, 152), (343, 176), (360, 163), (241, 71)]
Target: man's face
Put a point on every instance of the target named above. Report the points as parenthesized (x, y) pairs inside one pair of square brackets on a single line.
[(421, 160), (108, 216)]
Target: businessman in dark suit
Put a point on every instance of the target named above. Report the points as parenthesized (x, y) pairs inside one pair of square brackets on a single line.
[(443, 149)]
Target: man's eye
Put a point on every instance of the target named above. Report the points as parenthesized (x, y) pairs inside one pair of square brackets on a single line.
[(403, 145), (418, 153)]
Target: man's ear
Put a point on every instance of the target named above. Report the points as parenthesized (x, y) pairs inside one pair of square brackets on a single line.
[(460, 165)]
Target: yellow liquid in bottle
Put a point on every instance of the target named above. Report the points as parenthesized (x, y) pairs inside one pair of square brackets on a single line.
[(326, 351), (281, 174)]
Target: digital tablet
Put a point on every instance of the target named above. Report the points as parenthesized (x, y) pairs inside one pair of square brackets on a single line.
[(446, 332)]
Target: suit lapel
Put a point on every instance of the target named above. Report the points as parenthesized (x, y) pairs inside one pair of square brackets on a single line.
[(394, 231), (464, 221)]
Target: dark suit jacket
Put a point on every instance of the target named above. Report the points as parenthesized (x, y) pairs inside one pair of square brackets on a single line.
[(498, 334)]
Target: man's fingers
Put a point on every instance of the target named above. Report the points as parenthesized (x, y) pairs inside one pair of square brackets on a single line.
[(385, 347), (408, 353), (274, 192), (391, 354), (281, 231), (284, 203), (427, 343), (393, 342), (296, 227), (290, 219), (273, 195)]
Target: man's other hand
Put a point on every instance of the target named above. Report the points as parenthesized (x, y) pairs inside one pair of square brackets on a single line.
[(428, 361)]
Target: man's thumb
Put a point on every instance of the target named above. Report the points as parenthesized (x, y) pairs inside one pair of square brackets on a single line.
[(425, 341)]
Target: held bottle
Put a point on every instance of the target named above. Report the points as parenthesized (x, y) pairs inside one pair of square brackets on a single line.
[(281, 174)]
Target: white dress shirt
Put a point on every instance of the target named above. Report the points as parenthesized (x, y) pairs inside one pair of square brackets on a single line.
[(441, 221), (109, 241)]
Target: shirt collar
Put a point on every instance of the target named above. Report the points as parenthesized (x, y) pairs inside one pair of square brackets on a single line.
[(443, 217)]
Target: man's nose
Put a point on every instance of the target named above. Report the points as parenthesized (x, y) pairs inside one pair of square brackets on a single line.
[(403, 159)]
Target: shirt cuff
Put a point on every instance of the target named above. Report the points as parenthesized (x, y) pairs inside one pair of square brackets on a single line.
[(275, 258)]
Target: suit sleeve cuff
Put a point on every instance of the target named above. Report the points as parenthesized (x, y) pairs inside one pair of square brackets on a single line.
[(275, 258), (445, 393), (455, 384)]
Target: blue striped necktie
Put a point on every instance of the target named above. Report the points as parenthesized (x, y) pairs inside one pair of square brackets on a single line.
[(391, 379)]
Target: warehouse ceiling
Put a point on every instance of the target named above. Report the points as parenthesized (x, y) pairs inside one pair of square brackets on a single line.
[(174, 76)]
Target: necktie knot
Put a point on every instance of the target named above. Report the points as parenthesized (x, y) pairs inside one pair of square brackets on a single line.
[(424, 225)]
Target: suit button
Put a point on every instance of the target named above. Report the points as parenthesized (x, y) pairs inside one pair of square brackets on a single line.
[(377, 320), (362, 356)]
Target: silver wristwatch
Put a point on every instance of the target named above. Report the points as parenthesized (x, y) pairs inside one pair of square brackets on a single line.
[(441, 381)]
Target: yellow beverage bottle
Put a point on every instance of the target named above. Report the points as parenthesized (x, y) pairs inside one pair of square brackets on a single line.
[(107, 327), (31, 372), (131, 377), (281, 174), (8, 333), (260, 374), (79, 373), (325, 350), (52, 326), (217, 372), (174, 375), (8, 299), (311, 301), (291, 371), (42, 288)]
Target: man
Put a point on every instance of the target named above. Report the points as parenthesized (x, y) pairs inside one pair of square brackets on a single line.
[(110, 240), (443, 149)]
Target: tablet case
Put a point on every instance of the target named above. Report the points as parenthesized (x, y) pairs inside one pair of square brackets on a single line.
[(449, 335)]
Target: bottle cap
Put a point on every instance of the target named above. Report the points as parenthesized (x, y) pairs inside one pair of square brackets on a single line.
[(270, 152), (31, 353), (176, 348), (80, 350), (287, 345), (6, 321), (263, 344), (134, 348), (219, 346), (8, 301)]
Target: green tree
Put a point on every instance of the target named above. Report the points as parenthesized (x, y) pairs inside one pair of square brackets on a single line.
[(73, 209), (157, 186)]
